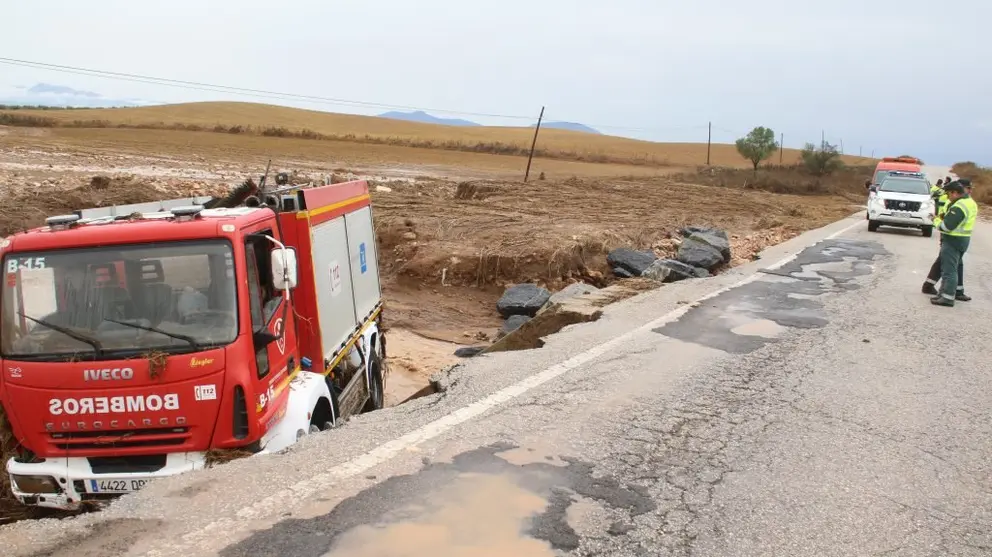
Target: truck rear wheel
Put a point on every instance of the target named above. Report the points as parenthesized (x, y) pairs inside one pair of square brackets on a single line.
[(376, 394)]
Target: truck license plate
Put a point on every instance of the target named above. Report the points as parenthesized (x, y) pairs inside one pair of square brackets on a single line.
[(114, 486)]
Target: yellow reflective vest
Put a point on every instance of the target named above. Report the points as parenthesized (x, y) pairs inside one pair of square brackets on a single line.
[(970, 208)]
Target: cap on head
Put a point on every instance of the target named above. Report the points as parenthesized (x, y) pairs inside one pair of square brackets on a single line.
[(965, 182), (954, 187)]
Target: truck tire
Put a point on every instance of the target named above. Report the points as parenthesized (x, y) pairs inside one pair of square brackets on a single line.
[(872, 226), (376, 394), (927, 231)]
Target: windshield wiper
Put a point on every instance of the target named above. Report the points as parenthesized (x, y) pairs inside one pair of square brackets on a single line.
[(97, 347), (192, 341)]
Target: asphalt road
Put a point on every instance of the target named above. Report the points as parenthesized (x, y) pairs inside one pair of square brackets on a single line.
[(815, 406)]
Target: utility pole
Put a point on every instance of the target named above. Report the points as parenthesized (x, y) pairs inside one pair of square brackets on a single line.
[(842, 146), (709, 141), (823, 139), (533, 144), (781, 147), (859, 150)]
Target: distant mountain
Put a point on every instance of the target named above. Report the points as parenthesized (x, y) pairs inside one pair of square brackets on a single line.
[(425, 118), (571, 126), (46, 94)]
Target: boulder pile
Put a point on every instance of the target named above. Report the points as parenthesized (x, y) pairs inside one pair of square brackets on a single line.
[(702, 251)]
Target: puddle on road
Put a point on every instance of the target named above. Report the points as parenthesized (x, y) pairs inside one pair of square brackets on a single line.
[(476, 505), (744, 319), (476, 515), (764, 328)]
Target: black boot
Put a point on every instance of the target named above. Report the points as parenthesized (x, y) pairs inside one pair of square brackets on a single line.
[(941, 301), (929, 289), (962, 297)]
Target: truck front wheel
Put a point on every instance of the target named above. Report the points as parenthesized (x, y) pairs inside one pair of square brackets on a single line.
[(376, 394), (872, 226), (927, 231)]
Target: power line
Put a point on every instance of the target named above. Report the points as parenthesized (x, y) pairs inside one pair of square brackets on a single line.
[(278, 95), (259, 93), (183, 84)]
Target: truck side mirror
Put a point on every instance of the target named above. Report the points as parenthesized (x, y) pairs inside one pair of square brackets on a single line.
[(284, 272)]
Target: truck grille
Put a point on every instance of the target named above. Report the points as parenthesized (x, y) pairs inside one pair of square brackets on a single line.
[(897, 205), (120, 439)]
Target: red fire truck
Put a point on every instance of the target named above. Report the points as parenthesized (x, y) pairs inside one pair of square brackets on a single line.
[(135, 339)]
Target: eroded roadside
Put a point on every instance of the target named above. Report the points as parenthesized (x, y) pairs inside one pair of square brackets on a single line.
[(448, 249), (259, 490)]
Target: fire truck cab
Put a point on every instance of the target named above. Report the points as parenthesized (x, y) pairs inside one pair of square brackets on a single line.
[(136, 339)]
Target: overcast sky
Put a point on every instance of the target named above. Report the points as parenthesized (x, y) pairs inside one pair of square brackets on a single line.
[(893, 76)]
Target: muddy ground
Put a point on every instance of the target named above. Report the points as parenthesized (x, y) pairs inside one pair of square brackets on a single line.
[(447, 247), (453, 233)]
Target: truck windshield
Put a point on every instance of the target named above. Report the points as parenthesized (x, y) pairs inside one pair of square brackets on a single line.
[(905, 185), (116, 301)]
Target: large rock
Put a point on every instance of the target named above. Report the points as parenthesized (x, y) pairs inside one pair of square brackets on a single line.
[(670, 270), (632, 261), (512, 324), (715, 237), (572, 291), (522, 299), (698, 253)]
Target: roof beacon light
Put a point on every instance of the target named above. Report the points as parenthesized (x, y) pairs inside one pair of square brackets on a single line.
[(61, 222), (186, 212)]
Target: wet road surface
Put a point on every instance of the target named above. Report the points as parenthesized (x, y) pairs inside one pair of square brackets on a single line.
[(816, 407)]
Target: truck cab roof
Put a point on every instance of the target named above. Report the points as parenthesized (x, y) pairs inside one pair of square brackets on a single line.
[(119, 227)]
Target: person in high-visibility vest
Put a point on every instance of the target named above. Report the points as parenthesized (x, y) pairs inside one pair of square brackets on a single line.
[(938, 196), (933, 277), (955, 236)]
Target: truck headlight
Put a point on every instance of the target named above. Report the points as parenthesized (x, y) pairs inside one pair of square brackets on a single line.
[(35, 484)]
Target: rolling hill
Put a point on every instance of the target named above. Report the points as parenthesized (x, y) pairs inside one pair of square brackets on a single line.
[(572, 126), (280, 121), (425, 118)]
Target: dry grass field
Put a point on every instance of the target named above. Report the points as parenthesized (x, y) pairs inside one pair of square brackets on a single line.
[(236, 118)]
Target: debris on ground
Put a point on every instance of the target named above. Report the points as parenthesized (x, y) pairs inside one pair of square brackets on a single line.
[(511, 324), (571, 291), (522, 299), (629, 263), (469, 351)]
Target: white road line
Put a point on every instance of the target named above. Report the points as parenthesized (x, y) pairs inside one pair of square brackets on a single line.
[(306, 488)]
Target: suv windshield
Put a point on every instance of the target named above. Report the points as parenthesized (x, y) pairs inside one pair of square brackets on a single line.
[(905, 185), (112, 301)]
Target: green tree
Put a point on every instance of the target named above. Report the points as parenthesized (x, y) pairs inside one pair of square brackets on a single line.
[(821, 161), (758, 145)]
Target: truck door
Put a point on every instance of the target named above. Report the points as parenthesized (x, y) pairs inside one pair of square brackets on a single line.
[(277, 360)]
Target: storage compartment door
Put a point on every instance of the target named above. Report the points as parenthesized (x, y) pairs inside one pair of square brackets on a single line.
[(364, 261), (332, 280)]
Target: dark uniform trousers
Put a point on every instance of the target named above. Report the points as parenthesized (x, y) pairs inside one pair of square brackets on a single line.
[(933, 277)]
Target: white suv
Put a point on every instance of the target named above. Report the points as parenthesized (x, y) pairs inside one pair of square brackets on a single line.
[(901, 200)]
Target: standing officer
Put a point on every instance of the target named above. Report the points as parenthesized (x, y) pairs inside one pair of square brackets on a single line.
[(933, 277), (939, 197), (955, 236)]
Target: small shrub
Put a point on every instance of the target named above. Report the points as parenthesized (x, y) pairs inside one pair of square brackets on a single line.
[(822, 161)]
